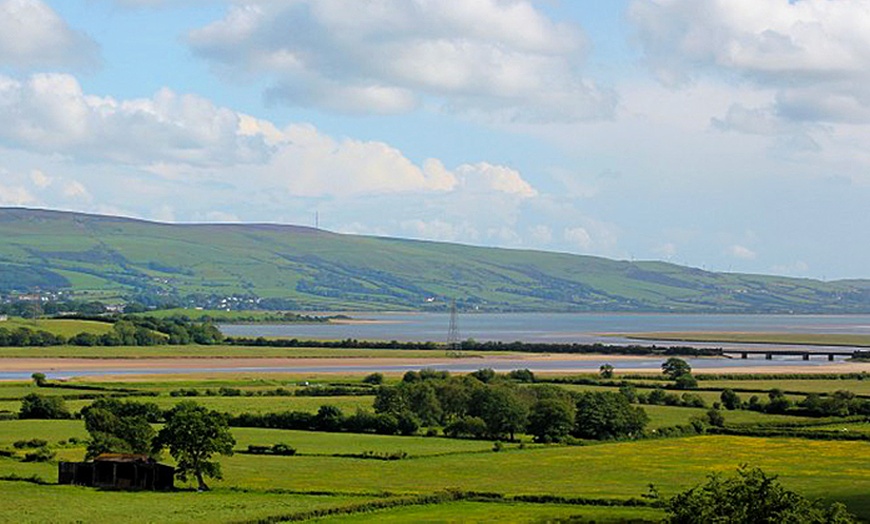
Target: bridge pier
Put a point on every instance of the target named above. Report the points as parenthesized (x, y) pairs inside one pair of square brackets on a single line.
[(830, 357), (806, 356), (768, 356), (744, 355)]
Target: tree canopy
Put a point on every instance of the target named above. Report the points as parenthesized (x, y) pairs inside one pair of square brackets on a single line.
[(674, 367), (120, 427), (606, 415), (193, 435), (751, 496)]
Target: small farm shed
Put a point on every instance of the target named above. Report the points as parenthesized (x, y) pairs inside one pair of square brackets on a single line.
[(118, 471)]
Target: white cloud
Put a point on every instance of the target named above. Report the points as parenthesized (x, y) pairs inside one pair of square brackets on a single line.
[(579, 237), (814, 53), (485, 177), (309, 163), (541, 234), (33, 35), (75, 190), (742, 252), (666, 250), (50, 113), (185, 138), (499, 58), (15, 196), (40, 179)]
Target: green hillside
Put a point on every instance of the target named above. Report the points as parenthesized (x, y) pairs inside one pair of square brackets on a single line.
[(98, 256)]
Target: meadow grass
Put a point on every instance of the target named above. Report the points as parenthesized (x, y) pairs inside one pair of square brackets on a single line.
[(664, 416), (859, 387), (315, 443), (709, 397), (833, 470), (16, 390), (465, 511), (800, 339), (22, 502), (65, 327), (848, 427)]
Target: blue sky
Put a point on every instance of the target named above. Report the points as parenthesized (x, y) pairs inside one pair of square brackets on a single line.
[(725, 134)]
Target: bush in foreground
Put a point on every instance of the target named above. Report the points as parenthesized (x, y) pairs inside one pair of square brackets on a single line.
[(750, 496)]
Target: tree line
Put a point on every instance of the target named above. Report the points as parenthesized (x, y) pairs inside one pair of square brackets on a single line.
[(126, 331)]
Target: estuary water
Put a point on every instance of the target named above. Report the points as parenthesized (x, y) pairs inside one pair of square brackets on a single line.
[(546, 327), (509, 327)]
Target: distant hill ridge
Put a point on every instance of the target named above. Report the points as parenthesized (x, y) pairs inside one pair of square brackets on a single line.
[(306, 268)]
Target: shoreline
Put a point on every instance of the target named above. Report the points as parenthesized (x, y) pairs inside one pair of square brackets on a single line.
[(545, 364)]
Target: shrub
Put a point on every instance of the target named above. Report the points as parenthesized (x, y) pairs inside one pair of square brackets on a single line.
[(522, 375), (469, 427), (715, 418), (283, 449), (730, 399), (750, 496), (32, 443), (374, 379), (685, 381), (36, 406), (42, 454)]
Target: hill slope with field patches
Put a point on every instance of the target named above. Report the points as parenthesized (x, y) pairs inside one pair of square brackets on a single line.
[(314, 269)]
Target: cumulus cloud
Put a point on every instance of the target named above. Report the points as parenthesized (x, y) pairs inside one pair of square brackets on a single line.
[(813, 53), (33, 35), (579, 237), (15, 196), (502, 58), (485, 177), (40, 179), (742, 252), (183, 137), (50, 113), (309, 163)]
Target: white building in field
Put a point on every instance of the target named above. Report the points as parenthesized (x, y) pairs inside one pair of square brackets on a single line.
[(3, 318)]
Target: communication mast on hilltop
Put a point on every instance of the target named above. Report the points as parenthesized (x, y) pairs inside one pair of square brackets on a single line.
[(453, 343)]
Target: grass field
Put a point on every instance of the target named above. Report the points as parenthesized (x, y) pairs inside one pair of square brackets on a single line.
[(859, 387), (324, 476), (501, 512), (839, 470), (29, 503), (63, 327), (664, 416), (798, 339)]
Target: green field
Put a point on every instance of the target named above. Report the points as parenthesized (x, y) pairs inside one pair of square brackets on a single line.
[(502, 512), (859, 387), (29, 503), (327, 475), (64, 327), (796, 339)]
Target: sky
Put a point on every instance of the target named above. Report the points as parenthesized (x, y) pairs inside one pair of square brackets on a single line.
[(729, 135)]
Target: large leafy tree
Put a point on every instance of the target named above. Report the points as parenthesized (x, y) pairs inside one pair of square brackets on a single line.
[(194, 435), (551, 419), (674, 367), (606, 415), (751, 496), (35, 405), (502, 408), (120, 427)]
